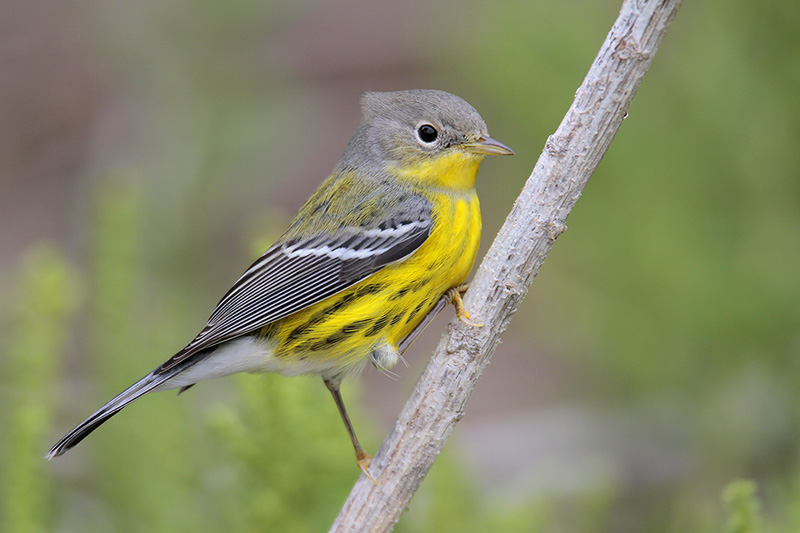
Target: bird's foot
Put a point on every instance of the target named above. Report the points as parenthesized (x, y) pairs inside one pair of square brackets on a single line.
[(455, 298), (363, 459)]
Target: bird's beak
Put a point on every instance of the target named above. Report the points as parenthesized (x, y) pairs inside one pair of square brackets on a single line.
[(485, 145)]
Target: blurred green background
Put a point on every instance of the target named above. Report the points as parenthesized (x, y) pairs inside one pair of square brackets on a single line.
[(150, 150)]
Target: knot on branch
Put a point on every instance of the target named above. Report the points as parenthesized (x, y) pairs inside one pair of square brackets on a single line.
[(630, 47), (551, 228), (556, 146)]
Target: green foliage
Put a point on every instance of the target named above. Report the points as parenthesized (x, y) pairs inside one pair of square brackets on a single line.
[(37, 329), (743, 506), (287, 459)]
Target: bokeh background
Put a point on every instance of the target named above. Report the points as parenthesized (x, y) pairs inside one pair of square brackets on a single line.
[(150, 150)]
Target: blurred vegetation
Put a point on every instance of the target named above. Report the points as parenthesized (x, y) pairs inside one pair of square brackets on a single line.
[(743, 507), (36, 334), (673, 299)]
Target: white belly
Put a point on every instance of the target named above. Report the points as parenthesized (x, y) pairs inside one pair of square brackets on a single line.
[(251, 354)]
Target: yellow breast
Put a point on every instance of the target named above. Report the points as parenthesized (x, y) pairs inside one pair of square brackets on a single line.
[(386, 307), (442, 262)]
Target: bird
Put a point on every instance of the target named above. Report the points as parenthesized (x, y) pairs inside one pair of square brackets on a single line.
[(383, 245)]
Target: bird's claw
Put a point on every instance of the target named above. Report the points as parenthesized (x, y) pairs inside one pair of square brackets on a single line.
[(363, 460), (455, 298)]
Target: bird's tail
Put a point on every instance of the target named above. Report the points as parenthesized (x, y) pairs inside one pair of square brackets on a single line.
[(147, 384)]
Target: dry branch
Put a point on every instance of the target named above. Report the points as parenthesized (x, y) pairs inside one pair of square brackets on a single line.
[(569, 158)]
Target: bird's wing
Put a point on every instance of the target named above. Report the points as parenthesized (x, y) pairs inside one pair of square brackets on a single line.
[(298, 273)]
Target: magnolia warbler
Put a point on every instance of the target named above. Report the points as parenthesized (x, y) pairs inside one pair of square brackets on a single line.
[(382, 246)]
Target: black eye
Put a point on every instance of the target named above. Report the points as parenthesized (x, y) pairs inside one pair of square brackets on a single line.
[(427, 133)]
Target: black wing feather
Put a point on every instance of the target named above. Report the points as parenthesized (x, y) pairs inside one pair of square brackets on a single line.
[(296, 274)]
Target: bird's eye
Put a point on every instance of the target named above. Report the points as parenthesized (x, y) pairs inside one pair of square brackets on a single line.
[(427, 133)]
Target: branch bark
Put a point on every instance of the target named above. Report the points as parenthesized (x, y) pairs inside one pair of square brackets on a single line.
[(537, 218)]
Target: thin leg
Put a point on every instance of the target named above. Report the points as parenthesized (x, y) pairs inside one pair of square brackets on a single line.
[(362, 457), (454, 296)]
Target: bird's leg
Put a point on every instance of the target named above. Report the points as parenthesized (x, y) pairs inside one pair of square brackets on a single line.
[(454, 297), (362, 457)]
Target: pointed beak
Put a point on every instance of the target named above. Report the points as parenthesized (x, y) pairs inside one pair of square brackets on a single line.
[(485, 145)]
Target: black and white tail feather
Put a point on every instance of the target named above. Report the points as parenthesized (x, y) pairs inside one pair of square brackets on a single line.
[(150, 382)]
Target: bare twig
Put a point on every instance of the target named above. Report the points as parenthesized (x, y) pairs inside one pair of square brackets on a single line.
[(569, 158)]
